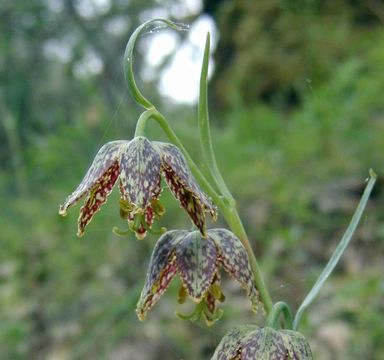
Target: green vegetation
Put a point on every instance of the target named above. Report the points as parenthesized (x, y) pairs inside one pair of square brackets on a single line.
[(297, 173)]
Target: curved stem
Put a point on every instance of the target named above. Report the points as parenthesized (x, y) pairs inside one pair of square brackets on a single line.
[(142, 122), (232, 217), (225, 203), (338, 251), (128, 60), (278, 309)]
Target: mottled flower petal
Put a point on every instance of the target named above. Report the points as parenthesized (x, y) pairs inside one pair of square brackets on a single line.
[(296, 344), (187, 200), (183, 185), (97, 196), (104, 159), (235, 260), (249, 342), (140, 164), (196, 260), (140, 172), (162, 268), (230, 343), (265, 343)]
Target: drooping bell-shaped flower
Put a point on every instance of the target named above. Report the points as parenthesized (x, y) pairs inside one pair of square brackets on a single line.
[(198, 261), (249, 342), (138, 165)]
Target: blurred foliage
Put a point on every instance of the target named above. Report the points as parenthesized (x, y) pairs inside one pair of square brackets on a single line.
[(297, 176), (271, 49)]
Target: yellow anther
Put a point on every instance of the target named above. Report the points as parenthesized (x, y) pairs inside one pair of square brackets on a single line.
[(158, 207), (182, 296), (125, 208)]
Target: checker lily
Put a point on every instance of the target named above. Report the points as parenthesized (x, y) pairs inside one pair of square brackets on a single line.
[(249, 342), (197, 260), (138, 165)]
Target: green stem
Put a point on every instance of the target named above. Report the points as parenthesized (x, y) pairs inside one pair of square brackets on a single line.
[(338, 251), (232, 217), (273, 317), (142, 122)]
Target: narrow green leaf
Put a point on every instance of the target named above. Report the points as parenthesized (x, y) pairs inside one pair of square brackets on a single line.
[(204, 129), (338, 251)]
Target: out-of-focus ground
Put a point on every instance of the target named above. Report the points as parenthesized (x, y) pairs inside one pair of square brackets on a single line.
[(298, 119)]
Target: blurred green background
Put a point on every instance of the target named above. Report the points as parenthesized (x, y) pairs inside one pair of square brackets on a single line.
[(298, 119)]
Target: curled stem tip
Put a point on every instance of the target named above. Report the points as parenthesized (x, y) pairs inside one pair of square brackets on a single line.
[(128, 59)]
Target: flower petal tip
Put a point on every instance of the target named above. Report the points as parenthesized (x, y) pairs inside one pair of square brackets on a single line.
[(254, 308), (140, 236), (141, 315), (62, 211)]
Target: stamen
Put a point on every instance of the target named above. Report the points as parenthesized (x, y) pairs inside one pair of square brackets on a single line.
[(158, 231), (123, 233), (195, 315), (211, 317), (125, 208), (182, 296), (158, 207), (215, 290)]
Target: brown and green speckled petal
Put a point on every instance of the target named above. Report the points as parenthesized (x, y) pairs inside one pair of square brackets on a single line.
[(235, 261), (296, 345), (162, 268), (140, 172), (104, 159), (265, 343), (97, 196), (196, 260), (184, 186), (248, 342), (187, 200), (230, 343)]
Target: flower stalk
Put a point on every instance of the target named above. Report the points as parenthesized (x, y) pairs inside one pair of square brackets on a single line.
[(216, 188), (273, 318), (142, 121)]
